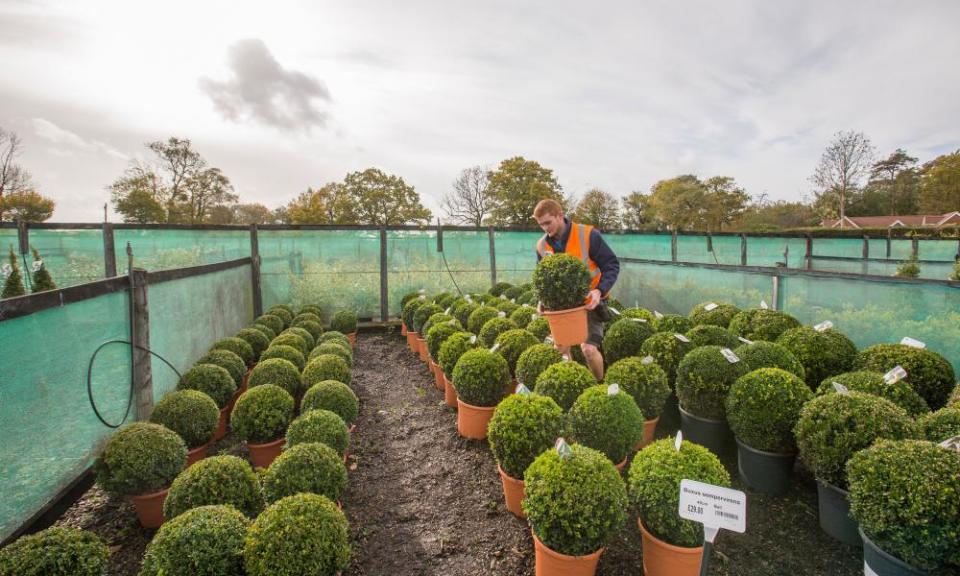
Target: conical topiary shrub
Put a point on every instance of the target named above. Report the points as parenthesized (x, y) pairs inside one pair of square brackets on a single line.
[(13, 281), (42, 281)]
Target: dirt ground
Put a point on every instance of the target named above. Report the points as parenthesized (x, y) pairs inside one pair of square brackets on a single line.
[(423, 501)]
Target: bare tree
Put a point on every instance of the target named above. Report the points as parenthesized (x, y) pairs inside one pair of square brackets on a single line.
[(470, 201), (14, 179), (844, 164)]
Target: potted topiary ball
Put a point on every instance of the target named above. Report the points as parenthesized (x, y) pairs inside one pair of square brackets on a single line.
[(226, 480), (334, 396), (673, 323), (204, 540), (462, 311), (292, 340), (512, 343), (762, 354), (288, 353), (763, 408), (280, 372), (326, 367), (283, 312), (420, 318), (312, 323), (903, 494), (300, 534), (761, 324), (833, 428), (302, 333), (216, 383), (523, 315), (928, 372), (260, 418), (436, 336), (256, 339), (647, 384), (666, 350), (406, 313), (704, 377), (533, 361), (479, 317), (899, 392), (671, 545), (334, 336), (539, 327), (312, 467), (140, 460), (450, 352), (563, 281), (315, 310), (564, 382), (522, 427), (940, 425), (499, 288), (480, 378), (321, 426), (191, 414), (624, 338), (271, 321), (710, 335), (508, 307), (719, 314), (345, 322), (229, 362), (333, 347), (493, 328), (576, 503), (238, 346), (56, 551), (822, 354), (265, 330), (438, 318), (607, 419)]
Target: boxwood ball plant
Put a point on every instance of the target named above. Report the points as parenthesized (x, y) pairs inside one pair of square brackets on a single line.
[(293, 340), (499, 288), (282, 312), (512, 343), (940, 425), (762, 354), (927, 371), (409, 309), (480, 316), (903, 494), (704, 377), (562, 281), (480, 377), (624, 338), (344, 321), (575, 504), (310, 467), (507, 307), (564, 382), (523, 315), (646, 383), (334, 347), (608, 422), (438, 334), (256, 339), (539, 327), (423, 314), (535, 360), (334, 396), (453, 348), (284, 352), (900, 392), (280, 372), (264, 329), (272, 321), (140, 458), (822, 354), (228, 361), (262, 414), (307, 316), (666, 350), (720, 314), (191, 414), (333, 336), (493, 328), (673, 323), (438, 318), (514, 292), (56, 551), (204, 541), (326, 367), (226, 480), (322, 426), (710, 335), (239, 347), (763, 408), (308, 338), (463, 310), (306, 321), (760, 324), (313, 309), (522, 427)]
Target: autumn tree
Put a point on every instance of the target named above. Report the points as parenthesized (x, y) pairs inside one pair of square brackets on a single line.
[(893, 188), (252, 214), (14, 178), (329, 204), (940, 184), (725, 201), (598, 208), (635, 211), (516, 186), (27, 205), (843, 166), (771, 216), (469, 201), (380, 199), (679, 203)]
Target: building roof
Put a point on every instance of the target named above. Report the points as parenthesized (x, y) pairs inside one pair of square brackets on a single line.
[(906, 221)]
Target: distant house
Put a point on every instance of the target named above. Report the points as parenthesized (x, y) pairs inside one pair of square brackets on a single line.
[(912, 221)]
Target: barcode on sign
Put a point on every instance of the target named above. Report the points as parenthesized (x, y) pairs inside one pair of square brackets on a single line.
[(729, 515)]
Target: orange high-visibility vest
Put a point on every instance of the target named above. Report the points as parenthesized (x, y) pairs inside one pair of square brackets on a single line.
[(578, 245)]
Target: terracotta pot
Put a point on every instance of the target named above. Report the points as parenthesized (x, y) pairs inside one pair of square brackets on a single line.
[(437, 375), (403, 328), (550, 563), (262, 455), (221, 430), (512, 493), (352, 337), (510, 388), (472, 420), (649, 428), (150, 508), (662, 559), (422, 349), (412, 341), (568, 327), (449, 392), (197, 454)]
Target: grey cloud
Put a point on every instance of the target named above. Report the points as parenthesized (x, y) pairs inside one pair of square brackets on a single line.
[(263, 90), (30, 23)]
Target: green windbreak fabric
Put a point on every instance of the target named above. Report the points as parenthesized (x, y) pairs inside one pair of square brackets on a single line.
[(646, 246), (8, 240), (938, 249), (189, 314), (932, 270), (516, 255), (167, 249), (46, 421), (72, 256)]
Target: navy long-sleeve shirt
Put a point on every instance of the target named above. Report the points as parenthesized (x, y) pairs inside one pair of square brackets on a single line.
[(600, 252)]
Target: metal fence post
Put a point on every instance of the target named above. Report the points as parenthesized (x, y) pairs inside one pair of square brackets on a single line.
[(493, 257), (777, 298), (23, 237), (140, 337), (808, 256), (743, 249), (866, 247), (255, 271), (915, 248), (109, 251), (673, 246), (889, 236), (384, 293)]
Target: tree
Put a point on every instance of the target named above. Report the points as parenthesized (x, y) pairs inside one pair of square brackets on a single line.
[(516, 186), (329, 204), (725, 201), (843, 165), (252, 214), (14, 178), (138, 196), (13, 282), (940, 184), (892, 188), (180, 162), (42, 281), (636, 211), (470, 201), (380, 199), (27, 205), (599, 209), (204, 190), (767, 217), (679, 203)]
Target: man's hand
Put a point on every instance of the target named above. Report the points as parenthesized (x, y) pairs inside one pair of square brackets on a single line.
[(593, 299)]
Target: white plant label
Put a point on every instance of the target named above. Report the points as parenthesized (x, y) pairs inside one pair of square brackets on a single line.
[(447, 311), (452, 322), (896, 374), (495, 347), (37, 265), (6, 270), (951, 444), (473, 339), (646, 360), (521, 389), (867, 570), (681, 337), (468, 298), (744, 340), (823, 326), (566, 358), (502, 314), (713, 506), (513, 300), (562, 448), (421, 297), (729, 355), (615, 311), (908, 341), (657, 315), (422, 291), (678, 441), (710, 307), (840, 388), (640, 320), (503, 296), (763, 305), (548, 340), (613, 389)]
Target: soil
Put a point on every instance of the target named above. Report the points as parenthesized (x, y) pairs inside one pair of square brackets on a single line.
[(423, 501)]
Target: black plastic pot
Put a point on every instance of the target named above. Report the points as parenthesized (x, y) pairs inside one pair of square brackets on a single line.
[(883, 564), (766, 472), (714, 435), (835, 519)]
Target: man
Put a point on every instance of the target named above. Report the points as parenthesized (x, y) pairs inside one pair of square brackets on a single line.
[(582, 241)]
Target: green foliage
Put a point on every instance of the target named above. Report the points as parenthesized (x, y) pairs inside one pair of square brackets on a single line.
[(499, 288), (954, 400), (423, 314), (900, 392), (326, 367), (140, 458), (217, 480), (228, 361), (479, 317), (834, 427), (410, 308), (303, 333), (433, 320), (624, 338), (480, 377), (322, 426), (204, 541), (719, 316), (191, 414), (823, 354), (312, 309), (297, 535), (293, 340), (56, 551), (667, 351), (42, 281), (654, 487), (564, 382), (506, 306), (539, 327), (493, 328), (381, 199), (463, 310), (562, 281), (903, 495), (611, 424), (438, 334), (640, 313), (284, 352), (762, 354), (239, 347), (13, 285), (704, 377), (955, 275), (909, 268), (512, 344), (522, 427), (527, 298), (278, 372), (334, 396), (710, 335), (308, 314), (763, 408), (271, 321), (265, 330), (516, 186), (646, 383), (262, 414), (940, 425), (282, 312), (444, 299), (408, 297), (334, 336), (674, 324), (344, 321), (453, 348), (927, 371), (575, 505), (336, 348), (311, 467), (535, 360), (312, 326), (760, 324), (523, 315)]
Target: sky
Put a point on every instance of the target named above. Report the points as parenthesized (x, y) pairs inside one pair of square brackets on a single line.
[(616, 95)]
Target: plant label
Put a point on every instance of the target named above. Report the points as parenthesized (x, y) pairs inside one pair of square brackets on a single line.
[(6, 270), (566, 358), (646, 360), (710, 307), (422, 291), (896, 374), (452, 322), (908, 341), (502, 314), (713, 506), (613, 389), (37, 265), (840, 388), (640, 320), (513, 300), (823, 326), (563, 449), (951, 444), (729, 355), (447, 311), (657, 315), (421, 297), (867, 570), (495, 347), (763, 305), (681, 337), (678, 441), (473, 339), (744, 340), (521, 389), (548, 340), (614, 311)]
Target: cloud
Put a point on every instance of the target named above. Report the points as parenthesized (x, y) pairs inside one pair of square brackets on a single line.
[(65, 141), (263, 90)]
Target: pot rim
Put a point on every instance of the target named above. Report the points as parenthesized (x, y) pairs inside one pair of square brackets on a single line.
[(567, 311), (471, 406), (671, 547), (700, 418), (783, 455), (149, 495), (886, 555), (551, 552), (270, 444), (503, 474)]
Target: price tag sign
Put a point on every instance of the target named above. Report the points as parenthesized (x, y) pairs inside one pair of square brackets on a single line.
[(473, 339), (681, 337), (503, 296), (502, 314), (521, 389), (646, 360), (566, 358), (421, 297), (713, 506), (468, 298), (513, 300), (729, 355), (908, 341), (711, 306), (447, 311), (840, 388), (744, 340), (896, 374), (452, 322), (763, 305), (563, 449), (613, 389), (951, 444), (823, 326), (678, 441)]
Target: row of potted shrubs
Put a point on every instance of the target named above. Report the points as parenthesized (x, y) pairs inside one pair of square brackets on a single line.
[(219, 515)]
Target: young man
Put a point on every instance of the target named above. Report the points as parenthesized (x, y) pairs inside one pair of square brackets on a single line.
[(582, 241)]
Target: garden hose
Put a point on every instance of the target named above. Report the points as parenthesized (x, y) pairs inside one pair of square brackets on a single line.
[(459, 291), (93, 404)]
